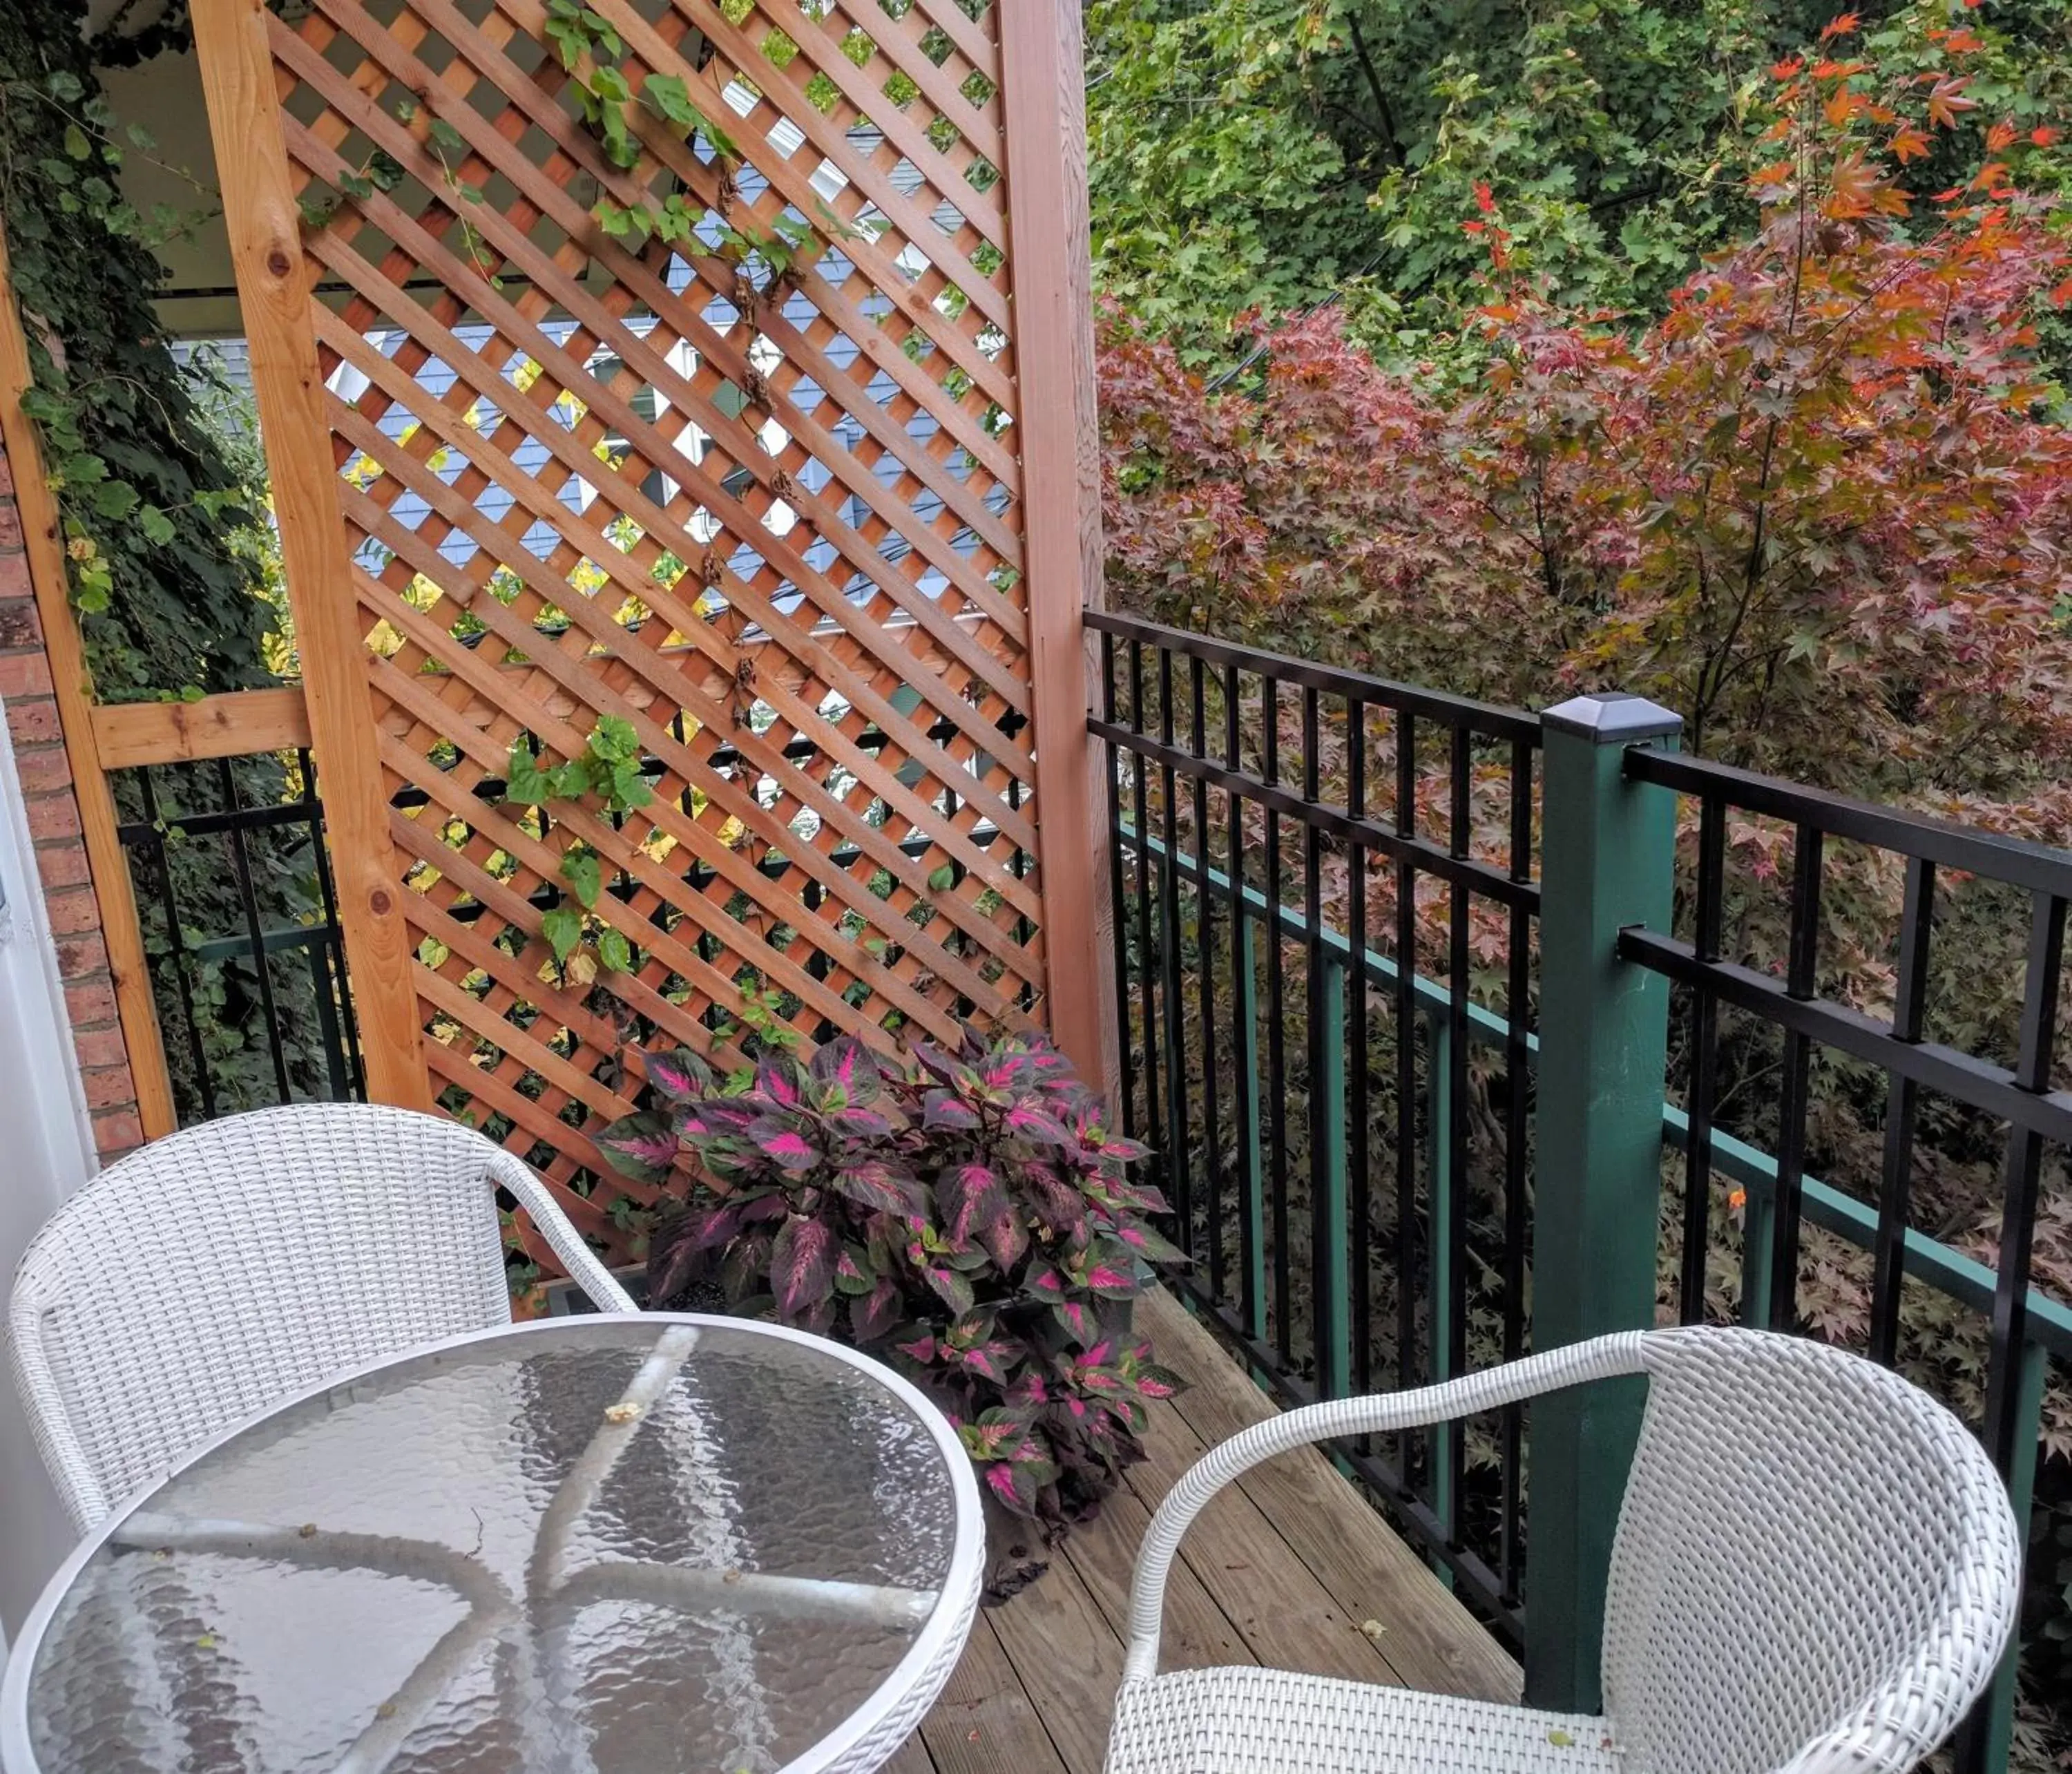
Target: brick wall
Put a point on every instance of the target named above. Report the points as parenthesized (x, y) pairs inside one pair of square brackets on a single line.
[(75, 914)]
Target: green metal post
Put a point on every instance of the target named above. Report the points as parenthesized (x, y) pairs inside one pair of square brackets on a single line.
[(1333, 1233), (1607, 857)]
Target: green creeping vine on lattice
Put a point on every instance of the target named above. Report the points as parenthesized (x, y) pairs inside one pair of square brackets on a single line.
[(606, 772), (90, 492)]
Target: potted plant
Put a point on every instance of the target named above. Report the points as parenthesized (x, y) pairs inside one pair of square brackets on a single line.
[(966, 1216)]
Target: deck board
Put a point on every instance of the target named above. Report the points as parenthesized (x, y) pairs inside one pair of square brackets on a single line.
[(1289, 1565)]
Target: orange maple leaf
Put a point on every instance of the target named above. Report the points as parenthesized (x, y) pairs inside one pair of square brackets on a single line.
[(2043, 136), (1839, 26), (1946, 102), (1784, 71), (2000, 137)]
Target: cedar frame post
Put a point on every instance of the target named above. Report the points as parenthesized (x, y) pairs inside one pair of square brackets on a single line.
[(273, 289), (1051, 266)]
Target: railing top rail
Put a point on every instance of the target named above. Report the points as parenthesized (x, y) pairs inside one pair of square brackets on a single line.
[(2042, 868), (1488, 718)]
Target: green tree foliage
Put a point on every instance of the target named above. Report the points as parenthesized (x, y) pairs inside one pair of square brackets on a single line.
[(1273, 153)]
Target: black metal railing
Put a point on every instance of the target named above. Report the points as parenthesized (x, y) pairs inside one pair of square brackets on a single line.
[(1326, 996), (240, 916), (1989, 1088), (1318, 879)]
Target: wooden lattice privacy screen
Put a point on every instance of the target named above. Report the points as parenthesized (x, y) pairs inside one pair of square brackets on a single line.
[(804, 494)]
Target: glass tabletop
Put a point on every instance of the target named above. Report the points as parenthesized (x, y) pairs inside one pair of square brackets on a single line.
[(646, 1544)]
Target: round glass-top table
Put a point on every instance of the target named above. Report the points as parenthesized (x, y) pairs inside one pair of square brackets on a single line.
[(644, 1545)]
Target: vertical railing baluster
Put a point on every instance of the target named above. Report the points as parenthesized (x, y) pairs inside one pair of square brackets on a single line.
[(1276, 1012), (1326, 1103), (2021, 1181), (1180, 1171), (1453, 1228), (248, 896), (1704, 1061), (1361, 1270), (1245, 1105), (1443, 1185), (1781, 1281), (176, 936), (1985, 1738), (1125, 1047), (1902, 1106), (1205, 975), (1140, 819), (1517, 1186), (1406, 1066)]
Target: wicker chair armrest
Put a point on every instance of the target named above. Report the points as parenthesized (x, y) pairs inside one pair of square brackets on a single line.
[(64, 1454), (1599, 1358), (516, 1176)]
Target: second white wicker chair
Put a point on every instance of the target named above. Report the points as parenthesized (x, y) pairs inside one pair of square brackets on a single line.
[(198, 1280), (1816, 1569)]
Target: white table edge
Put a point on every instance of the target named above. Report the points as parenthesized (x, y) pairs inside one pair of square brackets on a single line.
[(959, 1586)]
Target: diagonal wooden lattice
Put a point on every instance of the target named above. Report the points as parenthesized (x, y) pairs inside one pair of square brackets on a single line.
[(775, 521)]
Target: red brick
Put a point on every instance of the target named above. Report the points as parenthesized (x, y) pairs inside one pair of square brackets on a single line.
[(6, 479), (33, 720), (24, 674), (101, 1048), (72, 912), (79, 956), (116, 1132), (63, 865), (42, 769), (108, 1087), (89, 1002), (15, 580), (53, 816)]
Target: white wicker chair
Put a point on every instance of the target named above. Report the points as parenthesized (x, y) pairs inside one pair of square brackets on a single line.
[(1816, 1569), (209, 1275)]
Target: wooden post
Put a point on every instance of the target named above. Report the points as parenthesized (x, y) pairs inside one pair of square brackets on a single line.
[(113, 890), (1051, 265), (272, 286)]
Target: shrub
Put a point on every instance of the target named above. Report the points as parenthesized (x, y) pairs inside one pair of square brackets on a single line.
[(966, 1216)]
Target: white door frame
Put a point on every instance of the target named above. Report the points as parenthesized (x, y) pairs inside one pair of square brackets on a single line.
[(46, 1152)]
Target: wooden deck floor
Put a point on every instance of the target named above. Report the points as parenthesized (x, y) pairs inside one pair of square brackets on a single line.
[(1289, 1567)]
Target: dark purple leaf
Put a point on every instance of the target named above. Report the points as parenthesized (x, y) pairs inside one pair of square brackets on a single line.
[(1030, 1120), (642, 1146), (801, 1266), (919, 1345), (747, 1262), (1148, 1245), (681, 1075), (941, 1108), (877, 1184), (708, 1231), (782, 1143), (846, 1065), (952, 1288), (1078, 1323), (968, 1197), (1007, 1239), (1156, 1382), (859, 1123), (874, 1315), (778, 1077)]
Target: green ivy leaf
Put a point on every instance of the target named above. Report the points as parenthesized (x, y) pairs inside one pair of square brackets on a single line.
[(444, 135), (614, 739), (157, 526), (563, 928), (114, 500), (583, 872), (525, 782), (615, 951), (77, 143), (941, 880)]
